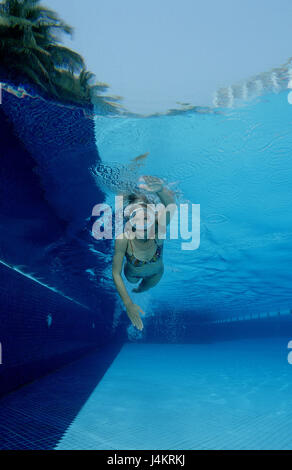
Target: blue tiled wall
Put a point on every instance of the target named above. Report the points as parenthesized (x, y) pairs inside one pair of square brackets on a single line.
[(184, 329), (46, 196), (41, 330)]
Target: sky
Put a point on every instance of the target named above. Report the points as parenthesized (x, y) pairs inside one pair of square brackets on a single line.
[(155, 53)]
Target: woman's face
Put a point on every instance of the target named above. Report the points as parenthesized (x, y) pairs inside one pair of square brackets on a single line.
[(142, 219)]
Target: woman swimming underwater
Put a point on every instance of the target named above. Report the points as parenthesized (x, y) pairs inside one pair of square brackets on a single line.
[(141, 245)]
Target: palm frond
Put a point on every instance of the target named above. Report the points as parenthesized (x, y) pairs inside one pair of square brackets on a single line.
[(64, 57), (26, 70), (34, 61), (99, 87), (12, 21), (30, 44)]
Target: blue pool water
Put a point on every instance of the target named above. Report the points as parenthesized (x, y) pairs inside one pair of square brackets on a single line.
[(210, 368)]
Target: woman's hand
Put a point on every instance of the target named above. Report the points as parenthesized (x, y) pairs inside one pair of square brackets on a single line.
[(133, 311), (152, 183)]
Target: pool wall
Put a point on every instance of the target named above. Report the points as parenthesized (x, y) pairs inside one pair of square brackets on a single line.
[(52, 309), (41, 330)]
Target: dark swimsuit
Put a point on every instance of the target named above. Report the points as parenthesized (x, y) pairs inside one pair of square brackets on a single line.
[(137, 262)]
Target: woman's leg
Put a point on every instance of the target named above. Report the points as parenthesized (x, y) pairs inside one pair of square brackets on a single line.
[(131, 279), (148, 282)]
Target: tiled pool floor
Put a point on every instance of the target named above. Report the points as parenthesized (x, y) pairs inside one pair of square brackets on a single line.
[(228, 395)]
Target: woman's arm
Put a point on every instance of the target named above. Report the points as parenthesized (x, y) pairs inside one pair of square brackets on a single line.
[(132, 309), (166, 196), (156, 185), (120, 251)]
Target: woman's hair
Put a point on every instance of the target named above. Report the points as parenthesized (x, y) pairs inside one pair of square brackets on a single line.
[(135, 197)]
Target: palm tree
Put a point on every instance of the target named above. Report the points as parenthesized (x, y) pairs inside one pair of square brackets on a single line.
[(25, 31), (31, 50)]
